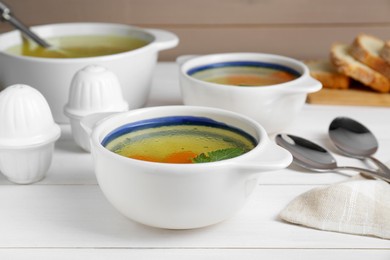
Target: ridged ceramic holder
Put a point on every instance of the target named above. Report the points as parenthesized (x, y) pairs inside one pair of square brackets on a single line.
[(94, 89), (27, 134)]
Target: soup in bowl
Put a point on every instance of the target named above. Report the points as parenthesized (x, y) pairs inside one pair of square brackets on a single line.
[(270, 89), (79, 46), (180, 139), (130, 52), (183, 182), (244, 73)]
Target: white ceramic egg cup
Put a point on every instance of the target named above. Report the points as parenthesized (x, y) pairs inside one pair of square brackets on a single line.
[(27, 134), (94, 89)]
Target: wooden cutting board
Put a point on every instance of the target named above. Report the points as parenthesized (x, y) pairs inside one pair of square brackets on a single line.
[(354, 96)]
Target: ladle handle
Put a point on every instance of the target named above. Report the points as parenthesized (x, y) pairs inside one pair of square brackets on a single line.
[(373, 174), (7, 16)]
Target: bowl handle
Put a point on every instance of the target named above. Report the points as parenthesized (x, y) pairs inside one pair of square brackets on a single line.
[(274, 157), (89, 122), (163, 39), (308, 85), (181, 59)]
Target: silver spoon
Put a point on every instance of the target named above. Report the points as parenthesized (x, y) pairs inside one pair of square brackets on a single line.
[(7, 16), (355, 140), (314, 157)]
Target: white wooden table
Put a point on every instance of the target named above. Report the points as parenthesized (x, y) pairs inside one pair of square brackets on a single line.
[(65, 216)]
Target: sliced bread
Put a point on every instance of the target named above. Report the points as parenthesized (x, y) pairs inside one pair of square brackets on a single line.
[(348, 65), (385, 52), (366, 49), (325, 72)]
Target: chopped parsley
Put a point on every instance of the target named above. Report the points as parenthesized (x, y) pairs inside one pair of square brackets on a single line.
[(218, 155)]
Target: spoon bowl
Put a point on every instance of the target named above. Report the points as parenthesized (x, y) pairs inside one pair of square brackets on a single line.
[(314, 157), (307, 153), (355, 140)]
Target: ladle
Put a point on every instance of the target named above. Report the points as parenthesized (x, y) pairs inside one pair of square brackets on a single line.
[(7, 16), (314, 157), (355, 140)]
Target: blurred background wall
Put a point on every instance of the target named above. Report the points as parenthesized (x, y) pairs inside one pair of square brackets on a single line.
[(303, 29)]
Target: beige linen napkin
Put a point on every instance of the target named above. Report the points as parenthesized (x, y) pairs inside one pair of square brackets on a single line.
[(359, 206)]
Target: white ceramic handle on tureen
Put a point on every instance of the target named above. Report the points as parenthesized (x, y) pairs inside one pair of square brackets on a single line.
[(163, 39)]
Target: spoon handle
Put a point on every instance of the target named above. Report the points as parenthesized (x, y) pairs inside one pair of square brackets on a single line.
[(6, 15), (374, 174), (382, 167)]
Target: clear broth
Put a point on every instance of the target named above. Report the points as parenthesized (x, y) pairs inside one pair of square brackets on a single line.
[(177, 143), (244, 76), (79, 46)]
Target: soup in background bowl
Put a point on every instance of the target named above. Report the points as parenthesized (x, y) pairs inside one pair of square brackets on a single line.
[(244, 73), (52, 76), (270, 89), (180, 195)]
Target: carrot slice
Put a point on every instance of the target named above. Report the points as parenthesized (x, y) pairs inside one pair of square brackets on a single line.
[(180, 157)]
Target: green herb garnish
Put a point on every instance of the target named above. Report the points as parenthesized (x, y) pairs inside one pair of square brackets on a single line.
[(218, 155)]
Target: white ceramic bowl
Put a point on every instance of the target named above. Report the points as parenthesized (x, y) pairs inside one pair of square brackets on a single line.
[(273, 106), (181, 196), (52, 77)]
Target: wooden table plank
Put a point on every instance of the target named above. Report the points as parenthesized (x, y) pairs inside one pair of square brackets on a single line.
[(192, 254), (78, 216)]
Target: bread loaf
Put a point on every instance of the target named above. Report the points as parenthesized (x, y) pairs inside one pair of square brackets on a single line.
[(366, 49), (385, 52), (348, 65), (325, 72)]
